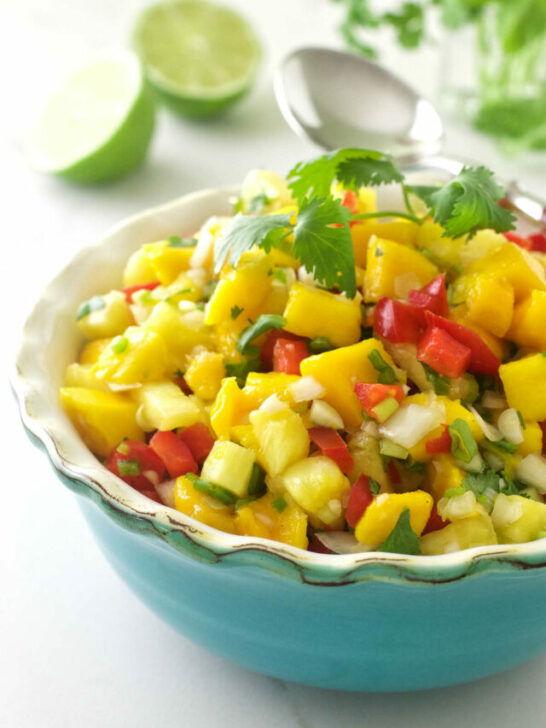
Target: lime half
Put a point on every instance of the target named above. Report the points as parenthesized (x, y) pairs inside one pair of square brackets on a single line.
[(200, 57), (99, 124)]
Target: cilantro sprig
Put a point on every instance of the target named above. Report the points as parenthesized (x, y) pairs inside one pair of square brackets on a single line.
[(320, 236)]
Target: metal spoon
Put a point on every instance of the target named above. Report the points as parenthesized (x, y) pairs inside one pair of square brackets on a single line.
[(338, 99)]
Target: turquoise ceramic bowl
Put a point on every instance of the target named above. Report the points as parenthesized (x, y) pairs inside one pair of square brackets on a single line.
[(369, 621)]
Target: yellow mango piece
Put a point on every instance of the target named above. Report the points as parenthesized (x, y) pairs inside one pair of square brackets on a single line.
[(226, 335), (103, 419), (201, 507), (528, 327), (246, 286), (339, 370), (313, 312), (263, 183), (143, 359), (517, 519), (459, 314), (524, 384), (183, 288), (181, 331), (258, 387), (401, 231), (138, 269), (443, 473), (465, 533), (244, 435), (386, 260), (168, 260), (82, 375), (532, 439), (164, 406), (92, 350), (282, 439), (227, 408), (442, 250), (490, 303), (317, 485), (110, 320), (260, 518), (381, 516), (366, 200), (515, 265), (205, 373)]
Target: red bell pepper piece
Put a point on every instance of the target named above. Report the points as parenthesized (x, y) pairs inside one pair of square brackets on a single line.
[(443, 353), (184, 386), (360, 497), (331, 444), (395, 321), (543, 428), (520, 240), (482, 359), (129, 290), (318, 547), (439, 444), (370, 395), (198, 438), (432, 297), (288, 354), (349, 199), (174, 452), (392, 472), (266, 352), (140, 459), (538, 242), (435, 522)]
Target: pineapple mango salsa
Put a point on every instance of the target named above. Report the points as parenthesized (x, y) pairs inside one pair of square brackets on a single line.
[(408, 418)]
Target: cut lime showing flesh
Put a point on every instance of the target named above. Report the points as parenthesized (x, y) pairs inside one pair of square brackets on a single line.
[(200, 57), (99, 124)]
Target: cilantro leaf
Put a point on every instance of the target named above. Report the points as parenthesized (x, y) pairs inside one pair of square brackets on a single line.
[(323, 243), (263, 323), (478, 483), (241, 370), (402, 539), (243, 232), (469, 202), (92, 304), (352, 167), (236, 311)]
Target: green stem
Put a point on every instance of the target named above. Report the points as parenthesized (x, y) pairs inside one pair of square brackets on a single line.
[(407, 201), (389, 213)]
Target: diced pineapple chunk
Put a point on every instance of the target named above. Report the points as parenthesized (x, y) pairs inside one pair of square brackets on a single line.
[(82, 375), (364, 449), (141, 356), (259, 387), (386, 260), (524, 384), (244, 435), (464, 534), (517, 519), (138, 269), (333, 316), (110, 320), (168, 260), (266, 187), (230, 466), (92, 350), (205, 373), (316, 484), (163, 406), (181, 331), (382, 514), (103, 419), (200, 506), (528, 325), (490, 303), (282, 439), (260, 518), (339, 370)]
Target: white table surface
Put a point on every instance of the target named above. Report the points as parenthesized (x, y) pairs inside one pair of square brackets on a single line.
[(76, 647)]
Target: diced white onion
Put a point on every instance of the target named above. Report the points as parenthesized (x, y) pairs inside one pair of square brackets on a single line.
[(140, 313), (371, 428), (460, 506), (142, 421), (323, 414), (212, 229), (341, 542), (271, 405), (335, 506), (199, 276), (474, 466), (510, 426), (165, 491), (532, 470), (306, 389), (194, 319), (123, 387), (152, 476), (506, 511), (304, 276), (405, 283), (408, 425), (494, 461), (493, 400), (490, 431), (186, 306)]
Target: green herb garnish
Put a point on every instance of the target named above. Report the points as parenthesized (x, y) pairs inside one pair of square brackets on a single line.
[(319, 345), (374, 486), (279, 504), (439, 383), (236, 311), (241, 369), (279, 275), (264, 322), (463, 445), (402, 539), (258, 203), (92, 304), (387, 374), (256, 484), (175, 241), (223, 495), (119, 344), (128, 467)]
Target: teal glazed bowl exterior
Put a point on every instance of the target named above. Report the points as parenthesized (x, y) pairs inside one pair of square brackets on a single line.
[(371, 621)]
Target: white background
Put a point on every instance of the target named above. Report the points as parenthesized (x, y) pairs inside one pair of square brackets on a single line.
[(76, 648)]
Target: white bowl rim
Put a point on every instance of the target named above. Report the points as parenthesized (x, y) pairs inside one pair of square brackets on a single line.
[(112, 493)]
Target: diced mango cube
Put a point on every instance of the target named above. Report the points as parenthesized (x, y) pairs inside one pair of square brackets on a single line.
[(103, 419), (92, 350), (490, 303), (386, 260), (110, 320), (164, 406), (443, 473), (230, 466), (142, 358), (244, 435), (524, 384), (227, 408), (381, 516), (465, 533), (168, 260), (260, 518), (532, 439), (340, 369), (517, 266), (459, 314), (333, 316), (517, 519), (528, 327), (401, 231), (205, 373), (139, 269), (83, 375), (282, 439), (259, 386), (200, 506)]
